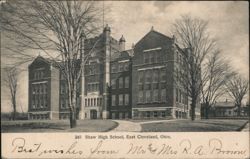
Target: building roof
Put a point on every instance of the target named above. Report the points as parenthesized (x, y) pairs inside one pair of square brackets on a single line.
[(225, 104), (152, 31)]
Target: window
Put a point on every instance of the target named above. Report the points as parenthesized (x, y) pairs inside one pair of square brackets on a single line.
[(62, 88), (120, 82), (152, 57), (163, 75), (156, 95), (37, 89), (126, 99), (127, 82), (140, 97), (120, 67), (42, 102), (148, 96), (33, 103), (41, 87), (66, 103), (126, 66), (94, 101), (148, 76), (155, 75), (113, 68), (33, 89), (62, 104), (148, 114), (46, 101), (140, 77), (86, 102), (113, 84), (146, 57), (177, 95), (179, 99), (163, 95), (120, 115), (120, 99), (163, 114), (113, 100), (155, 114), (45, 88), (42, 74), (158, 57)]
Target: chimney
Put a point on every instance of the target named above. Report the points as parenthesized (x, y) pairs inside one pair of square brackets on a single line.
[(122, 43)]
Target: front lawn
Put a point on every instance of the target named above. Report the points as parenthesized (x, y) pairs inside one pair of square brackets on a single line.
[(57, 126), (194, 126)]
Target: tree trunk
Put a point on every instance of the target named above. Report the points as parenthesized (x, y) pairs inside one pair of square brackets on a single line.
[(72, 118), (206, 110), (14, 108), (238, 112), (72, 106), (193, 104)]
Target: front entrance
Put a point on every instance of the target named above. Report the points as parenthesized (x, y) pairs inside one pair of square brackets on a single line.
[(93, 114)]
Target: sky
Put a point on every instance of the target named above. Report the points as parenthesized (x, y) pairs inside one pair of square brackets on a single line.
[(228, 24)]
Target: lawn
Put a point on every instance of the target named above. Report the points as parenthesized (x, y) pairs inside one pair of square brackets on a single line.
[(57, 126), (194, 126)]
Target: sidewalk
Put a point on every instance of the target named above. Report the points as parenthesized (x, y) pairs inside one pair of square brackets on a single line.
[(126, 126), (246, 128), (159, 121)]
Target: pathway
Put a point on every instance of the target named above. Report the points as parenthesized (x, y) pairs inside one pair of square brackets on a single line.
[(246, 128), (126, 126)]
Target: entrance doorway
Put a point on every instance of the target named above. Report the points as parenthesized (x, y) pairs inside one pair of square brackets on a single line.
[(93, 114)]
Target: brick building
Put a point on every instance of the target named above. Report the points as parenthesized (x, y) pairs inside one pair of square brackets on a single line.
[(117, 83), (156, 91), (43, 90)]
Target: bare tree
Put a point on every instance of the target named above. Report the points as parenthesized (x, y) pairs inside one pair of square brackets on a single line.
[(59, 29), (237, 88), (10, 81), (215, 74), (192, 35)]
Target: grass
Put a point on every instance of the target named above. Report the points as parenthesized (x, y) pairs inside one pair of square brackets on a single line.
[(57, 126), (194, 126)]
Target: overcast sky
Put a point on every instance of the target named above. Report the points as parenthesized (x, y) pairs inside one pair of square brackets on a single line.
[(228, 23)]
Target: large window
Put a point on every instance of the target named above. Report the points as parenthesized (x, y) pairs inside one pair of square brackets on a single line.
[(152, 57), (148, 96), (126, 99), (113, 68), (140, 97), (93, 87), (120, 82), (163, 95), (120, 99), (148, 76), (146, 57), (126, 66), (127, 82), (156, 95), (120, 67), (113, 83), (155, 75), (163, 74), (113, 100), (140, 77)]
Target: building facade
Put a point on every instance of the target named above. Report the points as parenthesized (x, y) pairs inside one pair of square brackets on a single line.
[(138, 83), (43, 90)]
